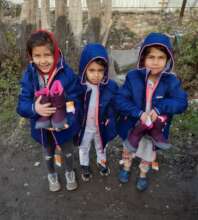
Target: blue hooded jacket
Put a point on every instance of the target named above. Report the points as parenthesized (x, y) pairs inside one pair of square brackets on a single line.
[(107, 91), (26, 100), (168, 98)]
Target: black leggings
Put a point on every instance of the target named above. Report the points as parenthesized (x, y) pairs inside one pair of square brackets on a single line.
[(67, 153)]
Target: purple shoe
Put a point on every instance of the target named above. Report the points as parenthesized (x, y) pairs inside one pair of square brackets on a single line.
[(157, 136), (58, 119), (43, 121), (135, 136)]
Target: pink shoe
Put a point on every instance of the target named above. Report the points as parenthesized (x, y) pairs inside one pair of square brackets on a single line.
[(58, 119)]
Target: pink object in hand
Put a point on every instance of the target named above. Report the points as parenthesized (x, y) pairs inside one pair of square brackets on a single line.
[(41, 92), (163, 118), (57, 88)]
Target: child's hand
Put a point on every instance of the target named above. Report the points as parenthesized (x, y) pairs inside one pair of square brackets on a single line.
[(144, 117), (153, 115), (44, 109)]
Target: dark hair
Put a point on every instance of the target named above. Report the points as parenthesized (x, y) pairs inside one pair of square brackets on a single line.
[(39, 38), (101, 62), (147, 50)]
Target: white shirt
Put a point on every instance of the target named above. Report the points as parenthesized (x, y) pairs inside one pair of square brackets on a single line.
[(92, 117)]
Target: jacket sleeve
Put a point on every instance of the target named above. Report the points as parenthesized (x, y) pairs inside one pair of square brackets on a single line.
[(124, 101), (25, 105), (112, 109), (175, 102), (73, 88)]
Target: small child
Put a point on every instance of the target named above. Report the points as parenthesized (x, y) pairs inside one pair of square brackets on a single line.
[(98, 123), (47, 87), (147, 101)]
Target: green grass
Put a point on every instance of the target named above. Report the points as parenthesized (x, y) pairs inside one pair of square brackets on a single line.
[(186, 123)]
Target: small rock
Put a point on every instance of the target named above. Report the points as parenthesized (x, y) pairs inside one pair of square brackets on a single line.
[(107, 188), (26, 184), (28, 193), (37, 163)]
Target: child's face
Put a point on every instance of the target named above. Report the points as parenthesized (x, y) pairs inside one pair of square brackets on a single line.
[(43, 58), (94, 73), (155, 61)]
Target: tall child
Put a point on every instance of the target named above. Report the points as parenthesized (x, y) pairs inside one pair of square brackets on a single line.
[(147, 101), (98, 123), (47, 87)]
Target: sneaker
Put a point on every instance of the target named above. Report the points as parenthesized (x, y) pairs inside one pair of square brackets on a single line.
[(71, 183), (54, 184), (123, 176), (142, 184), (85, 173), (103, 170), (58, 119)]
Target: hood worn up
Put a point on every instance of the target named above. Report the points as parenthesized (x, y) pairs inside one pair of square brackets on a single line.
[(158, 39), (56, 55), (90, 53)]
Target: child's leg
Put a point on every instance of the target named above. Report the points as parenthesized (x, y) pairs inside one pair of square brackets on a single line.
[(54, 184), (144, 168), (67, 150), (101, 156), (127, 157), (100, 152), (142, 182), (49, 152), (84, 149), (49, 158)]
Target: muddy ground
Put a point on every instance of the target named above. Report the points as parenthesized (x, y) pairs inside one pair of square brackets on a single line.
[(24, 195), (173, 191)]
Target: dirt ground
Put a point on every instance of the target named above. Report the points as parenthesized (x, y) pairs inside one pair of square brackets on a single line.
[(24, 195)]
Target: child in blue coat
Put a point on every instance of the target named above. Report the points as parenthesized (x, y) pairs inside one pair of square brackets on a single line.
[(47, 87), (147, 101), (98, 116)]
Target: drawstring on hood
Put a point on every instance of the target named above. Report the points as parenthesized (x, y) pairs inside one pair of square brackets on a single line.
[(160, 39), (90, 53)]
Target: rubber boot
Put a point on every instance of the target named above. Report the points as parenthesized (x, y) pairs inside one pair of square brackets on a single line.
[(157, 136), (58, 119), (136, 135), (43, 121)]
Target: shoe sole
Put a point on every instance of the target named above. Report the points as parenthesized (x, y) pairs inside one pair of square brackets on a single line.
[(54, 189), (71, 188)]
